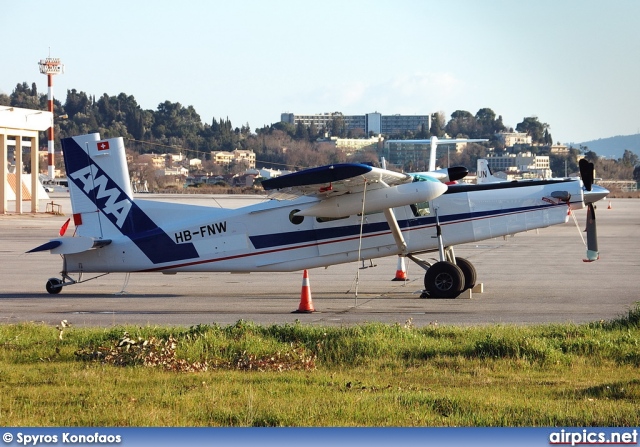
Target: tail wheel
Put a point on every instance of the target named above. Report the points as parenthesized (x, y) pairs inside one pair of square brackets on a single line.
[(444, 280), (54, 286), (469, 272)]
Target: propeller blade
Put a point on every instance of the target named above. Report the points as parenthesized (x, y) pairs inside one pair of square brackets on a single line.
[(592, 235), (586, 173)]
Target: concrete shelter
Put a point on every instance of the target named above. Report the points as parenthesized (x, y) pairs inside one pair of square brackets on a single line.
[(17, 127)]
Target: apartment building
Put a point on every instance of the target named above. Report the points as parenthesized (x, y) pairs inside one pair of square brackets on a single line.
[(237, 156), (371, 123)]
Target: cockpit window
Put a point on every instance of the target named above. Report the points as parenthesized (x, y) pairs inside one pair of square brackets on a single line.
[(423, 178), (421, 209)]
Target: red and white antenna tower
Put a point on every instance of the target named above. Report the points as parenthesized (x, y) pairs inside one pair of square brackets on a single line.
[(51, 66)]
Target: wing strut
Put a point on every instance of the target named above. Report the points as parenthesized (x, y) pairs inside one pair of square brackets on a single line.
[(364, 197), (395, 230)]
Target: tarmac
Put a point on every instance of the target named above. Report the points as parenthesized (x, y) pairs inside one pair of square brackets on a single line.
[(530, 278)]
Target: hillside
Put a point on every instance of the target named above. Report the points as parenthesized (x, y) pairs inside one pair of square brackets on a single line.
[(613, 147)]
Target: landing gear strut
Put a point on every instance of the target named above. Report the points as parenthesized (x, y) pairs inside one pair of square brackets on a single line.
[(449, 276), (55, 285)]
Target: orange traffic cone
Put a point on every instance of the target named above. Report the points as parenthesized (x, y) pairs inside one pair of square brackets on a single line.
[(609, 207), (401, 271), (306, 304)]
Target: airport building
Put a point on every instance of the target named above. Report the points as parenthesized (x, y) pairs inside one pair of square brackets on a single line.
[(535, 165), (371, 123)]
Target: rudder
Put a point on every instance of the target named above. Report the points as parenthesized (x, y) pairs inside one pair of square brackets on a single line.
[(98, 180)]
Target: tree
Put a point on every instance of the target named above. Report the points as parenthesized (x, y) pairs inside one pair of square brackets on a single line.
[(23, 96), (590, 155), (534, 128), (636, 173), (467, 157), (76, 103), (313, 132), (302, 131), (629, 158), (462, 123), (424, 133), (438, 124), (338, 126), (487, 125)]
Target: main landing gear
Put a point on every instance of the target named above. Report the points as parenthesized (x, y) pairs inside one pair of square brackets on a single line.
[(448, 277)]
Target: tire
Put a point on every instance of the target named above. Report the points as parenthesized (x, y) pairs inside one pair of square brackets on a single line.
[(54, 286), (444, 280), (469, 272)]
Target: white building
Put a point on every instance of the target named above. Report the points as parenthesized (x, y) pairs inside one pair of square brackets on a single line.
[(510, 139), (237, 156), (271, 173)]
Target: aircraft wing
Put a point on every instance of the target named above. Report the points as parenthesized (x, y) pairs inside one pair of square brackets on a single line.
[(332, 180)]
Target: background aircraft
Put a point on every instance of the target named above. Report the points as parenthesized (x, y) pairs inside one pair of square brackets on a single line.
[(319, 217), (484, 174)]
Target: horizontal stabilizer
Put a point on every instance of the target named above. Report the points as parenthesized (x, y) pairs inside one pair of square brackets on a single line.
[(70, 245), (48, 246)]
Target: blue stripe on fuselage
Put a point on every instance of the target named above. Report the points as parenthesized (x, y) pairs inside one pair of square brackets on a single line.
[(267, 241), (279, 242), (137, 226)]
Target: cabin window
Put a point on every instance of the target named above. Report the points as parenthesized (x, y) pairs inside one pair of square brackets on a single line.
[(421, 209), (296, 220)]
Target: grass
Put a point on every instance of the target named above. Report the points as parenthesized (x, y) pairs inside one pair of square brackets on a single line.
[(295, 375)]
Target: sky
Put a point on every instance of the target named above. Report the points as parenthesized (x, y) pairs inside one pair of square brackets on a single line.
[(574, 64)]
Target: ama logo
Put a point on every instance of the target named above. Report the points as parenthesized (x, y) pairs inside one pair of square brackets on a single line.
[(117, 210)]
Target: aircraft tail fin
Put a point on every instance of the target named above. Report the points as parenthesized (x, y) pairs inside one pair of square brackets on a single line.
[(484, 174), (101, 195)]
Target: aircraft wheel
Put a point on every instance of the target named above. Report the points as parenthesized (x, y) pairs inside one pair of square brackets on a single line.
[(444, 280), (54, 286), (469, 272)]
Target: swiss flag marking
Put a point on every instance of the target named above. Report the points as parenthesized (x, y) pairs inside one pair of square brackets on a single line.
[(103, 146)]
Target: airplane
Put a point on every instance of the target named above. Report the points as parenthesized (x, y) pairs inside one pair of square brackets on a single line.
[(317, 217), (597, 192), (484, 174)]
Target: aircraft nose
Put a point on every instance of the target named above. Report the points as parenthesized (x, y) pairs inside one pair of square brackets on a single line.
[(597, 193), (439, 188)]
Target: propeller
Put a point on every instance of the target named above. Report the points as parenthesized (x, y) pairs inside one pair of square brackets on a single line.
[(586, 173), (592, 234)]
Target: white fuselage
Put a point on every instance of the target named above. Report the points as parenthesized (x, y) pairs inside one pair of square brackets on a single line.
[(267, 236)]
